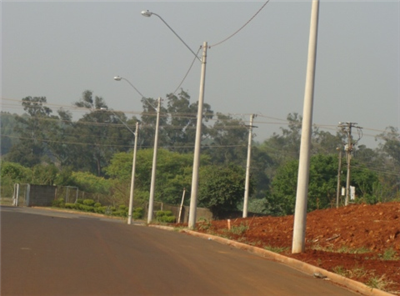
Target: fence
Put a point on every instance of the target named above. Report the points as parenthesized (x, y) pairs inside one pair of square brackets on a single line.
[(43, 195)]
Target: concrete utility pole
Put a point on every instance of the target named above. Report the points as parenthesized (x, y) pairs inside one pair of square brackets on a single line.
[(247, 182), (346, 128), (338, 177), (299, 226), (154, 166), (133, 174), (197, 144)]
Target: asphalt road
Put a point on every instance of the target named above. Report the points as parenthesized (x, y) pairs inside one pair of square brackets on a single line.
[(52, 253)]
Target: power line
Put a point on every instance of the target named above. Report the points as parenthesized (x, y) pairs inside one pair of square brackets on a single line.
[(230, 36)]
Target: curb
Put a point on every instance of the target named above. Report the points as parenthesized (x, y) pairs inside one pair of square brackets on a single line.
[(293, 263)]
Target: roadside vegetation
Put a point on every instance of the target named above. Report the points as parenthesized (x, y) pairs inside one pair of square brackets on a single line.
[(94, 155)]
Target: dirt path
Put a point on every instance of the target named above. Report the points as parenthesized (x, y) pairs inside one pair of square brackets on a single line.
[(361, 242)]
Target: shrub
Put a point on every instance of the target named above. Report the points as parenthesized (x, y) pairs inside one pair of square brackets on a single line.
[(123, 208), (71, 206), (100, 210), (165, 217), (89, 202), (79, 201), (120, 213), (59, 202), (138, 213), (97, 205), (86, 208)]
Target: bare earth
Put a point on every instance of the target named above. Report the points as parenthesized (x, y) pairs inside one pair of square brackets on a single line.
[(361, 242)]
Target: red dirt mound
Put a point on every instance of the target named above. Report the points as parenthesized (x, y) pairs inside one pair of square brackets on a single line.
[(361, 242)]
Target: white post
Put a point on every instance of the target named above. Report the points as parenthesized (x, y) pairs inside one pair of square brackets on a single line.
[(153, 170), (133, 175), (338, 176), (180, 209), (348, 154), (16, 201), (247, 182), (196, 158), (299, 228)]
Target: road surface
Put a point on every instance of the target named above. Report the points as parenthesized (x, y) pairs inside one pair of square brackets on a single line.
[(54, 253)]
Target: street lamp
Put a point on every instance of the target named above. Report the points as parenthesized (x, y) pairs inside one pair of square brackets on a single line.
[(154, 165), (136, 133), (196, 158), (247, 181), (300, 214)]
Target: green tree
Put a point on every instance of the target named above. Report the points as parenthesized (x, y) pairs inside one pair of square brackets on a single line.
[(148, 124), (174, 171), (9, 137), (322, 184), (391, 146), (61, 138), (221, 188), (284, 147), (326, 143), (182, 121), (229, 140), (101, 133), (33, 128), (15, 172), (44, 174)]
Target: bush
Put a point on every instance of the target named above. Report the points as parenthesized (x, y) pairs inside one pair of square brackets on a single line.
[(100, 210), (89, 202), (165, 217), (71, 206), (138, 213), (123, 208), (86, 208), (97, 205), (120, 213), (79, 201), (59, 202)]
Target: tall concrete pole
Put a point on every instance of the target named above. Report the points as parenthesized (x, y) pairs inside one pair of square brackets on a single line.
[(338, 176), (153, 170), (348, 154), (247, 182), (299, 227), (133, 175), (196, 158)]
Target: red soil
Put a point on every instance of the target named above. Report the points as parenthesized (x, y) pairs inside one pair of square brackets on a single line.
[(361, 242)]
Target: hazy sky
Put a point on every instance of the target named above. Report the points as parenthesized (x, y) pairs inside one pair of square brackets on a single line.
[(60, 49)]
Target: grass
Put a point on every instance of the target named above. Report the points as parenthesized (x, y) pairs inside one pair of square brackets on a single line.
[(277, 249), (340, 270), (342, 249), (239, 230), (389, 254), (380, 283), (204, 224), (374, 282), (355, 273)]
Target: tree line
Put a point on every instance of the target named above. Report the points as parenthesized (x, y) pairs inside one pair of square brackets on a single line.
[(97, 146)]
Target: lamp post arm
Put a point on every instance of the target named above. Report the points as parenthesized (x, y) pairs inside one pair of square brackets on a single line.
[(132, 86), (176, 35), (119, 78), (122, 122)]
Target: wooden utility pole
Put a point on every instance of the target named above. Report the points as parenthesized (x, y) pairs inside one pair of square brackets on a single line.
[(346, 128), (247, 181), (338, 177)]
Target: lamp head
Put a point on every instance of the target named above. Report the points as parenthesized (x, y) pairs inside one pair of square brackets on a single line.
[(146, 13), (117, 78)]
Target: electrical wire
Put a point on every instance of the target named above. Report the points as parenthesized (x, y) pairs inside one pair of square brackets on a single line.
[(229, 37), (187, 73)]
